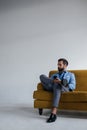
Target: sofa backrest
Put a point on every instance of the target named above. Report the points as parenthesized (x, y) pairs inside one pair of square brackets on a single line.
[(81, 79)]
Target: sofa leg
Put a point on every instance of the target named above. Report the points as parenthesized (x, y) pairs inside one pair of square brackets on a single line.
[(40, 111)]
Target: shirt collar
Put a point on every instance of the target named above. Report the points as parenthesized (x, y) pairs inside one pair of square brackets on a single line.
[(62, 72)]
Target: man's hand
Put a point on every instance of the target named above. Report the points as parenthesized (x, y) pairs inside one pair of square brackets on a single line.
[(57, 81)]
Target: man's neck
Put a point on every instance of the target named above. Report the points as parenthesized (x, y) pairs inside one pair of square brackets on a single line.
[(60, 72)]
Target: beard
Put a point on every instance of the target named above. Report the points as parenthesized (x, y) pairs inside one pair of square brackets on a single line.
[(60, 69)]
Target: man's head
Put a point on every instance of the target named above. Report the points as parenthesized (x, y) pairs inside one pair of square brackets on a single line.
[(62, 64)]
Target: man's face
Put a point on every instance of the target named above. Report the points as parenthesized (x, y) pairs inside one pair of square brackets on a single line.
[(61, 66)]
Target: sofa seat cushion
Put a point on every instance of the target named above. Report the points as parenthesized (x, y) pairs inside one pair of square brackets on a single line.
[(75, 96), (81, 106)]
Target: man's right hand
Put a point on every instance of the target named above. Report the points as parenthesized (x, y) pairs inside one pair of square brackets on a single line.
[(57, 81)]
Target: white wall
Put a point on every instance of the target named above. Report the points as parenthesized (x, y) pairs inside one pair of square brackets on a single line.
[(33, 35)]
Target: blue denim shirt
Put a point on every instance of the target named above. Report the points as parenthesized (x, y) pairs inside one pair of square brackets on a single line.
[(70, 77)]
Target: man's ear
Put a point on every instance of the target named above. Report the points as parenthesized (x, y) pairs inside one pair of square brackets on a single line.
[(65, 66)]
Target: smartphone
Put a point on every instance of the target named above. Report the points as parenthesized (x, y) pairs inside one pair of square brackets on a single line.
[(55, 77)]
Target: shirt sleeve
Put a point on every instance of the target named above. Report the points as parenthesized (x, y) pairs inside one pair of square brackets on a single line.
[(72, 83)]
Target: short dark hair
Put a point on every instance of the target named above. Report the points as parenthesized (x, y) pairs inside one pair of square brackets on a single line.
[(65, 62)]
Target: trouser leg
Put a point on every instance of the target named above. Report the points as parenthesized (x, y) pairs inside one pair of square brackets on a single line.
[(56, 94), (46, 82), (57, 90)]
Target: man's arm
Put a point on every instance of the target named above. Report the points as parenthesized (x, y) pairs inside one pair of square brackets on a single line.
[(72, 83)]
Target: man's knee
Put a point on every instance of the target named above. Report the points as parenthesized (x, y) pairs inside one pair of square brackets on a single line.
[(41, 77)]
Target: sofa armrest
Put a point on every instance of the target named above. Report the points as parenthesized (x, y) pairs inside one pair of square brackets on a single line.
[(39, 86)]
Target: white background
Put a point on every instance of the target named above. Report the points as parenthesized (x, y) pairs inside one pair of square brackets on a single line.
[(33, 35)]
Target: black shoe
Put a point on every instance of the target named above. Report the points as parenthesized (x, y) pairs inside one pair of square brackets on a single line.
[(52, 118)]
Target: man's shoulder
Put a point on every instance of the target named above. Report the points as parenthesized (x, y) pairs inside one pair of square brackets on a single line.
[(55, 74), (69, 73)]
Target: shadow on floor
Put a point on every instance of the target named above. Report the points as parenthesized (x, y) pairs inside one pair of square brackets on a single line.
[(30, 112)]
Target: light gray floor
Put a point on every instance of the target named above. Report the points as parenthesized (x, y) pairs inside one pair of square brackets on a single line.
[(27, 118)]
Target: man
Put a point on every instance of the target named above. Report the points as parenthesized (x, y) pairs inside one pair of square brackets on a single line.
[(62, 81)]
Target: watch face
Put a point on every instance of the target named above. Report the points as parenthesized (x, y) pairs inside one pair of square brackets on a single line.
[(65, 82)]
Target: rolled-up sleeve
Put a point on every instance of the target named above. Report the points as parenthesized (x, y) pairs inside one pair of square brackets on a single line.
[(72, 83)]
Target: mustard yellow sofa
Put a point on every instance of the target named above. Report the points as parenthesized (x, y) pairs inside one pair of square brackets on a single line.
[(76, 100)]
